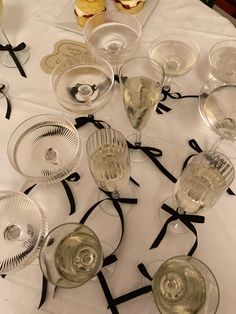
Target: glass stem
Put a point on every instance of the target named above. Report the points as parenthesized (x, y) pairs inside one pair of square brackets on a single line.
[(167, 84), (217, 143), (115, 194), (3, 35), (138, 138)]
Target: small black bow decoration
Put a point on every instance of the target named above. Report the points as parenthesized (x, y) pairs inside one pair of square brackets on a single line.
[(186, 219), (12, 51), (99, 124)]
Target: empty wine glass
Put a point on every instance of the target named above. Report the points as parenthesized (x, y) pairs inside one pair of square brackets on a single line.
[(83, 84), (184, 284), (177, 54), (7, 60), (141, 80), (109, 164), (200, 185), (217, 109), (45, 148), (222, 61), (71, 255), (113, 36), (22, 230)]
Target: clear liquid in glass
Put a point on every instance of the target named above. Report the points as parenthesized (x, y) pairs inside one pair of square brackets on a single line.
[(223, 64), (179, 288), (78, 257), (198, 187), (110, 167), (140, 98), (176, 57)]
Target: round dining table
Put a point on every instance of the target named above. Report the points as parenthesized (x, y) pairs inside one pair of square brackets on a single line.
[(173, 129)]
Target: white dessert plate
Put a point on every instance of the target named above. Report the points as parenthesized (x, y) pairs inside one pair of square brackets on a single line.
[(66, 18)]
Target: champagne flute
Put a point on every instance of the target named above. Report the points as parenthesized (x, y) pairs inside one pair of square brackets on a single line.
[(113, 36), (22, 230), (216, 107), (141, 80), (184, 284), (200, 185), (177, 54), (83, 84), (109, 164), (222, 61), (22, 55), (71, 255)]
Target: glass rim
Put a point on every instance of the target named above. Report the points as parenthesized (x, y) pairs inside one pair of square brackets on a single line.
[(118, 13), (61, 119), (141, 58), (185, 257), (103, 130), (219, 43)]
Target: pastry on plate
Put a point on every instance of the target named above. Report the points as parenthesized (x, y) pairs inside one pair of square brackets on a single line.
[(129, 6), (84, 9)]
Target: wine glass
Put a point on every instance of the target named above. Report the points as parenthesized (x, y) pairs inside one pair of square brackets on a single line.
[(22, 55), (45, 148), (222, 61), (200, 185), (216, 107), (22, 230), (141, 80), (177, 54), (184, 284), (109, 164), (83, 84), (71, 255), (112, 35)]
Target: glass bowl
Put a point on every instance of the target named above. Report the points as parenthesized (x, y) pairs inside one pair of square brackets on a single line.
[(83, 84), (45, 148)]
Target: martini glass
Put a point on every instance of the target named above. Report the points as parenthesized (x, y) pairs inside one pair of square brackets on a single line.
[(184, 284), (141, 80), (22, 55), (45, 149), (200, 185), (217, 109), (113, 36), (177, 54), (222, 61), (71, 255), (83, 84), (22, 230)]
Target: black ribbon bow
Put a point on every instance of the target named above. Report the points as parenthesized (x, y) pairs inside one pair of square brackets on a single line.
[(8, 112), (186, 219), (195, 146), (12, 51), (99, 124), (153, 153)]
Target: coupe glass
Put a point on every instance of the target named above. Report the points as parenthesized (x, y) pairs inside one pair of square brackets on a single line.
[(45, 148), (177, 54), (200, 185), (113, 36), (22, 230), (141, 80), (184, 284), (71, 255), (109, 163), (22, 55), (222, 61), (217, 109), (83, 84)]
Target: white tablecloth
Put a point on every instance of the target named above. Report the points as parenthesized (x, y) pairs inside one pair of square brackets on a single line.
[(33, 22)]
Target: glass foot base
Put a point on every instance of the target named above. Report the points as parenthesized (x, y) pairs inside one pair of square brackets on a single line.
[(107, 206), (175, 226), (22, 56), (136, 155)]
